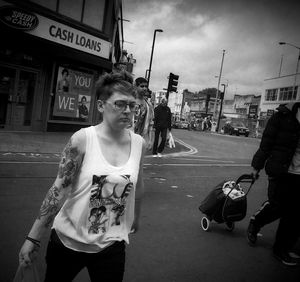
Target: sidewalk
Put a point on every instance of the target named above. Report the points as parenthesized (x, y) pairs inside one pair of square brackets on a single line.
[(47, 142), (33, 142)]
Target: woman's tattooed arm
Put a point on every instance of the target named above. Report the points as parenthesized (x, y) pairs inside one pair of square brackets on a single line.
[(70, 162), (50, 206), (69, 165)]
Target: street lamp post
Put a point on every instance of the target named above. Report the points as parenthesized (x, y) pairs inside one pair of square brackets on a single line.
[(221, 106), (222, 80), (149, 70), (219, 80), (297, 67)]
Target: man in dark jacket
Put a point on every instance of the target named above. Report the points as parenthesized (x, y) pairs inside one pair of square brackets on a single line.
[(279, 154), (162, 122)]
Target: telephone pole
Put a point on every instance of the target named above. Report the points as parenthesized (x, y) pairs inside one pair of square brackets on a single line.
[(219, 80)]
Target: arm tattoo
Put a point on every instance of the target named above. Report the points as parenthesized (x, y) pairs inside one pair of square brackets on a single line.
[(69, 164), (50, 206)]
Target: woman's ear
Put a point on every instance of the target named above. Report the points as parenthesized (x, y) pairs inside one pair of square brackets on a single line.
[(100, 105)]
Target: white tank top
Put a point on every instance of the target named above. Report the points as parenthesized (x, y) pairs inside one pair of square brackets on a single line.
[(100, 207)]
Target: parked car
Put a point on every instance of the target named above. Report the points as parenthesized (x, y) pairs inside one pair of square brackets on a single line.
[(181, 124), (236, 128), (184, 125)]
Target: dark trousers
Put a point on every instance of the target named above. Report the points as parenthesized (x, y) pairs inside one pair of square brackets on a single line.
[(63, 264), (284, 204), (162, 132)]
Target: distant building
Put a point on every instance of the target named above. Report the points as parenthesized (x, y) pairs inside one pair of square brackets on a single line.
[(175, 104), (242, 106), (279, 90), (159, 94), (198, 103)]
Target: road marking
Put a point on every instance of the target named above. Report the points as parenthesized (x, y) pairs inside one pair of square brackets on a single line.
[(192, 150), (205, 164), (216, 164), (34, 162), (206, 160)]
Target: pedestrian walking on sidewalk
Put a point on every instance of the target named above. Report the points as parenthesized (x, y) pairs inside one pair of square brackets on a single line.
[(145, 113), (279, 154), (162, 123), (96, 197)]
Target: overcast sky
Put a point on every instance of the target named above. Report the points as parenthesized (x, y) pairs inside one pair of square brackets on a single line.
[(196, 31)]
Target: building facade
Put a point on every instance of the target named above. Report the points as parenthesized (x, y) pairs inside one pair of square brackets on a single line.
[(51, 55), (200, 104), (279, 90), (175, 104), (158, 95)]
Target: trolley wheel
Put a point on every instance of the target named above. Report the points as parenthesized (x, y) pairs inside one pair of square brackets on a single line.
[(229, 225), (205, 223)]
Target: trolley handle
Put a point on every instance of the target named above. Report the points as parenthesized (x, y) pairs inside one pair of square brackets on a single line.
[(247, 178), (250, 178)]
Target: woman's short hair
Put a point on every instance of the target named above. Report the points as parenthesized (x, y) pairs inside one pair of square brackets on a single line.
[(116, 81)]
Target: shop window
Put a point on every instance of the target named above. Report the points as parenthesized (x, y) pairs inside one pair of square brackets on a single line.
[(73, 95), (50, 4), (271, 95), (288, 93), (94, 13), (72, 9)]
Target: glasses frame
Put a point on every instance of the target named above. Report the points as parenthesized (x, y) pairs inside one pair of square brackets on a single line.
[(124, 107)]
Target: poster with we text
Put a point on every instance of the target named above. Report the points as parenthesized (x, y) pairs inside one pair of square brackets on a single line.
[(73, 94)]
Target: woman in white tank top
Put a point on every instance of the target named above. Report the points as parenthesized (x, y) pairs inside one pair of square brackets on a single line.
[(95, 199)]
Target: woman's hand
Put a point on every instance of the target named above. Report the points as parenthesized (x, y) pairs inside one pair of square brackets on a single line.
[(135, 226), (28, 253)]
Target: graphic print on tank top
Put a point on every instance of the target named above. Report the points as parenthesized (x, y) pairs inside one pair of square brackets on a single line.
[(107, 201)]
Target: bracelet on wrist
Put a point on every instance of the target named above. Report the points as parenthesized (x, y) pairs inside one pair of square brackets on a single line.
[(34, 241)]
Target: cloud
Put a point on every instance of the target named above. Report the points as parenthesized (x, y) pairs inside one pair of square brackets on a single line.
[(196, 32)]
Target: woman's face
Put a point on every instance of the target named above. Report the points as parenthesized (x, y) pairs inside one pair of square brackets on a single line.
[(118, 110)]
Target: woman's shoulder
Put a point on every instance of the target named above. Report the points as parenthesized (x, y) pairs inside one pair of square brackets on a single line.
[(136, 137), (78, 139)]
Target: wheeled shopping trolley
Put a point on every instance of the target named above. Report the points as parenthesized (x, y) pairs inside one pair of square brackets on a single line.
[(227, 202)]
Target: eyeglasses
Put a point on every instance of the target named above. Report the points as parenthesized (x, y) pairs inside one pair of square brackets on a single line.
[(121, 105), (143, 86)]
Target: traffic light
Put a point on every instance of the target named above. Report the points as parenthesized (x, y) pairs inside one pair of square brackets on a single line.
[(173, 82)]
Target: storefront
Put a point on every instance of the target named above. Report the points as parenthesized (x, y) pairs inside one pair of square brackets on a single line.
[(48, 71)]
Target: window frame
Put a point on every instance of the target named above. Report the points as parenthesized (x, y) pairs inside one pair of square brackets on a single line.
[(271, 94), (288, 93)]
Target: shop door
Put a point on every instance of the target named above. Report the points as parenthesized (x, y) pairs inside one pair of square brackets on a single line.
[(17, 89)]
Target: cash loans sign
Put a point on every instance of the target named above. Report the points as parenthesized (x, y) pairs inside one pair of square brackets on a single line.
[(51, 30)]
